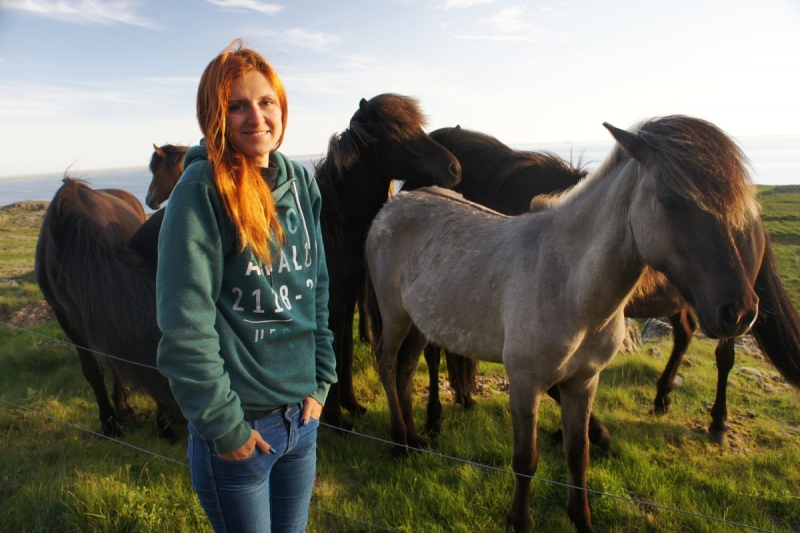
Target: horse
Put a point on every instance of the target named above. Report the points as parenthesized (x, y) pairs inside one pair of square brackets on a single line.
[(103, 295), (544, 292), (166, 164), (484, 158), (505, 180), (385, 142)]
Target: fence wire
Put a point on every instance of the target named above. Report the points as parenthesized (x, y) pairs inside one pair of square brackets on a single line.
[(378, 439)]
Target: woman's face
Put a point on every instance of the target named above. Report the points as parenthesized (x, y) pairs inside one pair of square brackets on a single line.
[(254, 117)]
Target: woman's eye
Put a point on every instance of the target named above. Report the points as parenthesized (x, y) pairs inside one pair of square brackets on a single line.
[(670, 204), (235, 107), (266, 103)]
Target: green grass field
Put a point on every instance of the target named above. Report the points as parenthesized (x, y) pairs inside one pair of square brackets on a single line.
[(59, 478)]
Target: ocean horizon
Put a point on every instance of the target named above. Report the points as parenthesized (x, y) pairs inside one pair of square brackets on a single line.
[(774, 161)]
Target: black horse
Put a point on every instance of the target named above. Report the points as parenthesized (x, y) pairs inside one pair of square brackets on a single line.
[(385, 142), (777, 328), (103, 296)]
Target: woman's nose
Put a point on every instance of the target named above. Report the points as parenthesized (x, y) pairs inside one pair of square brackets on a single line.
[(253, 115)]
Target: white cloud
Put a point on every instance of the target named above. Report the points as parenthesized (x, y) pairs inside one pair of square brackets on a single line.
[(509, 24), (82, 11), (255, 5), (460, 4), (312, 39)]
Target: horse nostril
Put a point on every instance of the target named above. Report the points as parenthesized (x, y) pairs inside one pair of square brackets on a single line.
[(729, 316), (454, 170)]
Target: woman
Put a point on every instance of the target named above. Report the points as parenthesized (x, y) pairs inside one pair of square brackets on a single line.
[(242, 291)]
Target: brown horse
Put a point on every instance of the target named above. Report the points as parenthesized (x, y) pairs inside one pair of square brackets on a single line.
[(166, 164), (544, 292), (103, 295)]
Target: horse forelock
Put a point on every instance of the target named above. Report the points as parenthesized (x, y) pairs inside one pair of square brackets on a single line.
[(704, 165)]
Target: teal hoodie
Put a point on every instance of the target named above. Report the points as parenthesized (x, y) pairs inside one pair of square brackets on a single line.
[(237, 335)]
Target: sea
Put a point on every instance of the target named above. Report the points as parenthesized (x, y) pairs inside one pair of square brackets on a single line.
[(775, 161)]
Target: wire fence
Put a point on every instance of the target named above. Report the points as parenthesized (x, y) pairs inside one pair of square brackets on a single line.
[(381, 440)]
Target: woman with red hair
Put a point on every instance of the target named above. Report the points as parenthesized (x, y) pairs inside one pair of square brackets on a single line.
[(242, 292)]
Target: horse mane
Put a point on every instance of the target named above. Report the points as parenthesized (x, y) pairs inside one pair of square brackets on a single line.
[(503, 159), (174, 154), (701, 163), (704, 165), (386, 116)]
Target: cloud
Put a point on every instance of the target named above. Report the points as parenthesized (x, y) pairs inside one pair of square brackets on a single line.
[(255, 5), (509, 24), (312, 39), (460, 4), (83, 11)]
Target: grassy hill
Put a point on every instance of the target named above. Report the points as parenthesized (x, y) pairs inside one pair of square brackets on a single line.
[(57, 477)]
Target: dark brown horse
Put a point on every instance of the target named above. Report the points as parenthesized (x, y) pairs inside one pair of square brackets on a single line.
[(777, 329), (166, 164), (385, 142), (103, 295)]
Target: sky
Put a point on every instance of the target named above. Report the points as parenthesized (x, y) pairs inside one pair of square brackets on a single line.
[(91, 84)]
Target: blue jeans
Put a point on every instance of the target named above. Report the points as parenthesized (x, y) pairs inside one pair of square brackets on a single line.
[(265, 492)]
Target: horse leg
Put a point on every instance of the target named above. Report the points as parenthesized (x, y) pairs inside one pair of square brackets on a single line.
[(120, 398), (718, 430), (407, 361), (347, 391), (164, 423), (576, 408), (388, 347), (332, 410), (93, 372), (683, 326), (363, 326), (463, 373), (599, 435), (433, 357), (524, 417)]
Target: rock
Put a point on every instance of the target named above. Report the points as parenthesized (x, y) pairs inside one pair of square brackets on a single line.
[(655, 329), (690, 361), (633, 337), (655, 352), (748, 344), (768, 381)]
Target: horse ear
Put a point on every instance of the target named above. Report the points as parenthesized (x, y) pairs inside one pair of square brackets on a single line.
[(457, 128), (159, 151), (364, 106), (633, 145)]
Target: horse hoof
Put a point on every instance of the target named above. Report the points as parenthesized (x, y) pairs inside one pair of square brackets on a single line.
[(661, 405), (600, 437), (718, 436), (400, 451), (125, 415), (111, 429), (355, 409), (467, 403), (434, 429), (417, 442)]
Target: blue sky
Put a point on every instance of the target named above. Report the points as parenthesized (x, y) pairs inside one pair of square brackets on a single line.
[(94, 83)]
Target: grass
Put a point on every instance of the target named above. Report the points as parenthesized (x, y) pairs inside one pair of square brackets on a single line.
[(56, 478)]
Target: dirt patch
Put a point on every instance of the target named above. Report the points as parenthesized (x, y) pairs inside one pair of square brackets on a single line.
[(33, 314)]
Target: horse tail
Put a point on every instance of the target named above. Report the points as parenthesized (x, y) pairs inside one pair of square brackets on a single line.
[(462, 373), (374, 315), (106, 290), (777, 328)]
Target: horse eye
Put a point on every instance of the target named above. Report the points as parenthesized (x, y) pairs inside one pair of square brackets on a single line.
[(670, 204)]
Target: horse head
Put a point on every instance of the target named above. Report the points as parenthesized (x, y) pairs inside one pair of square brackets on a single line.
[(392, 124), (692, 198), (166, 164)]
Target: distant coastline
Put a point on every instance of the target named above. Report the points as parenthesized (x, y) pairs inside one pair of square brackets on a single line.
[(78, 173)]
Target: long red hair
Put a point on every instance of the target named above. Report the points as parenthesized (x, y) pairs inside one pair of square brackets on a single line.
[(247, 198)]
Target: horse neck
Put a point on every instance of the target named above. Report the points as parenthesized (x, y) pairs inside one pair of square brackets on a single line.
[(362, 189), (591, 228)]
